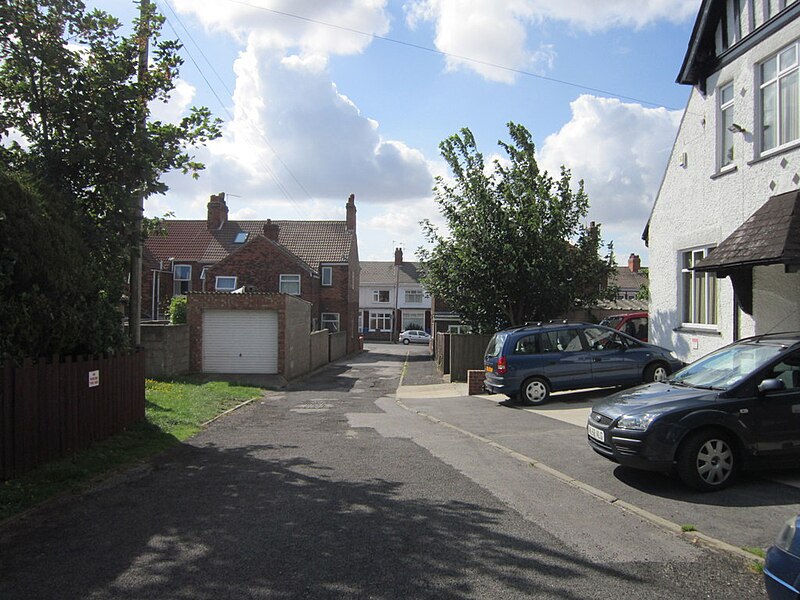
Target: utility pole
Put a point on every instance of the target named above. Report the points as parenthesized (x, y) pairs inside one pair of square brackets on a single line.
[(135, 300)]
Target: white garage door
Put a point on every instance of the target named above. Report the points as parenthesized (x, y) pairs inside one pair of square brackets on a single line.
[(240, 341)]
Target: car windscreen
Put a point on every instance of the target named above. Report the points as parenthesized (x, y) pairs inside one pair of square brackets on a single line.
[(612, 322), (727, 367), (495, 346)]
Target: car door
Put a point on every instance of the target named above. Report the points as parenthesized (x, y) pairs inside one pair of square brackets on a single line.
[(565, 360), (610, 361), (777, 419)]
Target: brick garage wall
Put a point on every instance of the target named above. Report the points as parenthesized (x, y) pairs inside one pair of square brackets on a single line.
[(199, 302), (295, 341), (167, 349), (319, 349)]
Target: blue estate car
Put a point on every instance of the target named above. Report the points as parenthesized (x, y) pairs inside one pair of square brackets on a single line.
[(533, 360), (782, 564)]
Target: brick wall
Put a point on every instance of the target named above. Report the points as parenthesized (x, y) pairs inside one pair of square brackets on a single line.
[(475, 380)]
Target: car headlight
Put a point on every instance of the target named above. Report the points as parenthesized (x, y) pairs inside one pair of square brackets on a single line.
[(786, 536), (636, 422), (673, 355)]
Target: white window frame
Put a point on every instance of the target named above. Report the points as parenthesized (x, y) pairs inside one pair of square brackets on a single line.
[(327, 276), (226, 288), (380, 318), (414, 296), (287, 280), (700, 302), (376, 295), (178, 281), (330, 321), (725, 119), (776, 82)]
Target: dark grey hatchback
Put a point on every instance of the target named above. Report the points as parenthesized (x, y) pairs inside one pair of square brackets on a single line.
[(736, 408), (535, 359)]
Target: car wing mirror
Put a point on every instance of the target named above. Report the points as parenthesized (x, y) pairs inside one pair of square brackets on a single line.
[(771, 385)]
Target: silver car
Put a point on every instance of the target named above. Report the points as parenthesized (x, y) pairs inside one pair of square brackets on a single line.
[(415, 336)]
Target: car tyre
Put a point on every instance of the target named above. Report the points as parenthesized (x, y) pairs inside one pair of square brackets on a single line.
[(535, 391), (707, 460), (656, 372), (406, 341)]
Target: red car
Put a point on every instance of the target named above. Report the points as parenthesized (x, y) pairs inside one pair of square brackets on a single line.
[(634, 324)]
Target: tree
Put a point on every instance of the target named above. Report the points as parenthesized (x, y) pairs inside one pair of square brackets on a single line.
[(515, 250), (72, 111)]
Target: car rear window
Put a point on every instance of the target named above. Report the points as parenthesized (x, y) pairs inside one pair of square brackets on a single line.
[(495, 346)]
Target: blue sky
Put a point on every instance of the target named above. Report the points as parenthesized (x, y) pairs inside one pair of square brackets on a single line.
[(324, 98)]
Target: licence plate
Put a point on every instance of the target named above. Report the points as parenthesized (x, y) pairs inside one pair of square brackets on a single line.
[(489, 369), (596, 433)]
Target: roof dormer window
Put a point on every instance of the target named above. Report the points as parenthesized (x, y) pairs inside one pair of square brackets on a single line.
[(241, 237)]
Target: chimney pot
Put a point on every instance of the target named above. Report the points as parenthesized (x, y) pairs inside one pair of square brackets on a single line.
[(351, 212), (398, 256), (217, 212), (634, 263)]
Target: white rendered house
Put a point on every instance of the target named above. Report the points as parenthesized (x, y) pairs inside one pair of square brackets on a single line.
[(724, 232)]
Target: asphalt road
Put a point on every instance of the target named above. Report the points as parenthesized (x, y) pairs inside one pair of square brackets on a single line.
[(332, 489)]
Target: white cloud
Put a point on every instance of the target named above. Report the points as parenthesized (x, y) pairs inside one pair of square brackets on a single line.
[(620, 151), (496, 33), (180, 98)]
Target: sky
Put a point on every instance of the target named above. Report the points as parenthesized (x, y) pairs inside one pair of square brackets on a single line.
[(325, 98)]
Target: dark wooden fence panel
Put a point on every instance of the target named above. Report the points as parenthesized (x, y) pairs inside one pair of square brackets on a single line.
[(48, 408)]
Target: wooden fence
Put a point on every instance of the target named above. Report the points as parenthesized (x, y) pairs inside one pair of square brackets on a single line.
[(51, 408)]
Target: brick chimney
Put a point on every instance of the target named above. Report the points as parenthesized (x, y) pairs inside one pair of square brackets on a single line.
[(351, 213), (271, 230), (398, 257), (634, 263), (217, 212)]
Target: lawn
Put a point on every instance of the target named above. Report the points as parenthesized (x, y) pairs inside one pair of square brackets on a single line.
[(174, 411)]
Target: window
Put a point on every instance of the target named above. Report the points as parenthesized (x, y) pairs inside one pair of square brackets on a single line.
[(699, 290), (240, 238), (413, 320), (603, 340), (380, 321), (562, 340), (459, 329), (779, 99), (527, 345), (327, 275), (414, 296), (290, 284), (330, 321), (380, 295), (182, 279), (725, 122), (225, 283)]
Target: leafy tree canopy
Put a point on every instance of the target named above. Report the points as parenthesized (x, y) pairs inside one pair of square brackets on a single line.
[(515, 249), (74, 118)]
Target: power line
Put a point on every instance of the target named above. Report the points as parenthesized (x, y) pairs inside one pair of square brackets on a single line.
[(281, 187), (450, 55)]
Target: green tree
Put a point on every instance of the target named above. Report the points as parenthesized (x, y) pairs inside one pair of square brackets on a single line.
[(74, 115), (515, 249)]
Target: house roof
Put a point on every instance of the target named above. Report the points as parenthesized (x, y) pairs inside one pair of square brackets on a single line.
[(313, 242), (770, 236), (385, 272), (628, 280)]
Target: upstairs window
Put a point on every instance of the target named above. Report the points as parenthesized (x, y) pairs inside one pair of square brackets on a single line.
[(414, 296), (290, 284), (327, 276), (182, 280), (380, 296), (779, 99), (726, 121), (330, 321)]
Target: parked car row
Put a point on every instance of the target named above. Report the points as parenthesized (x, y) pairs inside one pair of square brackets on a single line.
[(735, 409)]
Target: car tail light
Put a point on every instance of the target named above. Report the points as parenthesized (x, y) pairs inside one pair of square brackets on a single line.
[(502, 368)]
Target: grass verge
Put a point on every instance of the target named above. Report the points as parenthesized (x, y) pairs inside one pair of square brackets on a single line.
[(174, 411)]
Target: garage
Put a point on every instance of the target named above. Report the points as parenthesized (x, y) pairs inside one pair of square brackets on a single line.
[(240, 341)]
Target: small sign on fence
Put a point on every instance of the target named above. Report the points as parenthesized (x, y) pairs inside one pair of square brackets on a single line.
[(94, 379)]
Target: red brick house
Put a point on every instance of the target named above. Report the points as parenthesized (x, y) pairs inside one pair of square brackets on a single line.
[(316, 261)]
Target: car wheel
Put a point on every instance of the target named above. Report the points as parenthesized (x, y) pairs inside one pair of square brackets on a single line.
[(707, 460), (406, 341), (656, 372), (535, 391)]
